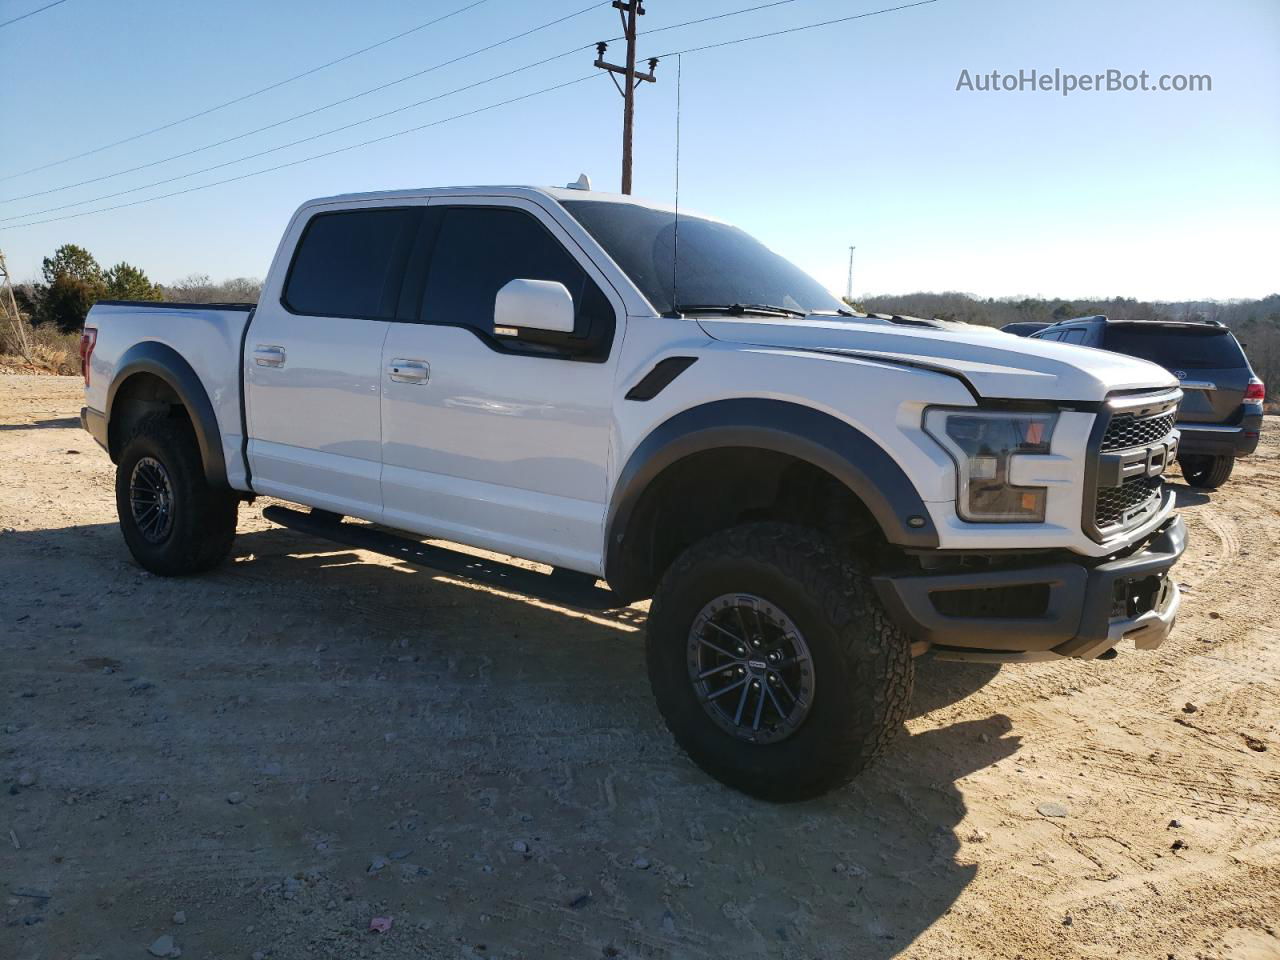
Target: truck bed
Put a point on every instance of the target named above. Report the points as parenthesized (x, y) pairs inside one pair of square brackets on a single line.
[(208, 336)]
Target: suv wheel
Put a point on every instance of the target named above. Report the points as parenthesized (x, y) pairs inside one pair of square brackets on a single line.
[(1206, 472), (773, 662), (173, 521)]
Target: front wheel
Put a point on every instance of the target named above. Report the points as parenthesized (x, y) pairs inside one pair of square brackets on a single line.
[(1206, 472), (773, 662), (174, 522)]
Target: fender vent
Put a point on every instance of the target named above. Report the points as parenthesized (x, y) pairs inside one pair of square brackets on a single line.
[(657, 379)]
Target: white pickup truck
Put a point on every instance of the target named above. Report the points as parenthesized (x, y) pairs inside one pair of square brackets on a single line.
[(811, 497)]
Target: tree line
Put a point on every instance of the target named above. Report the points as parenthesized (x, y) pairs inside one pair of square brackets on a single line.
[(74, 281), (998, 311)]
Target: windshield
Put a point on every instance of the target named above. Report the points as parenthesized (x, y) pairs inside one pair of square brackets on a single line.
[(1172, 347), (719, 266)]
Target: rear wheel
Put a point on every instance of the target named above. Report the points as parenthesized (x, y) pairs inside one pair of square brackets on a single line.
[(1206, 472), (174, 522), (773, 662)]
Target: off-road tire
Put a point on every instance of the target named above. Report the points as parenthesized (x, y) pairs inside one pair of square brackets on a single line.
[(862, 665), (203, 522), (1205, 472)]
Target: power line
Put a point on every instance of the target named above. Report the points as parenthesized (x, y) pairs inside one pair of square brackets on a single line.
[(807, 26), (346, 126), (717, 16), (243, 97), (399, 133), (307, 113), (294, 143), (32, 13), (316, 156), (349, 99)]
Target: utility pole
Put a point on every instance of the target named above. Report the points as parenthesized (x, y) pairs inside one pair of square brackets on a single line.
[(628, 10), (9, 307), (848, 290)]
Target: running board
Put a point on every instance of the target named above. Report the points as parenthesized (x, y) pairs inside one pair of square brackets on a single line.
[(562, 587)]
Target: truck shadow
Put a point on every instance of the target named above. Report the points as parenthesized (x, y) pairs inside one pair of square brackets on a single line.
[(62, 423), (510, 718), (1187, 496)]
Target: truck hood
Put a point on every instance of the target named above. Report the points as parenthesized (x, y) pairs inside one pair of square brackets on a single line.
[(996, 365)]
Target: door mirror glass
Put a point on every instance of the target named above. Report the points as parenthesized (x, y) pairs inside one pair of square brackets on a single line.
[(533, 305)]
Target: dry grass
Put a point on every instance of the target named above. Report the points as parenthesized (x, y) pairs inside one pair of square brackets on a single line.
[(51, 352)]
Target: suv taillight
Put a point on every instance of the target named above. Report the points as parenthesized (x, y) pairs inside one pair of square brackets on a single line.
[(88, 340), (1255, 392)]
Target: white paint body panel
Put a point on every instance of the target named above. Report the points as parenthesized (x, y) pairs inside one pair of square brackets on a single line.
[(522, 454), (998, 364), (315, 422), (208, 339)]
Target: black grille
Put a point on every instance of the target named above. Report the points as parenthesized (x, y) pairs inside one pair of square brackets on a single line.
[(1125, 431), (1114, 502)]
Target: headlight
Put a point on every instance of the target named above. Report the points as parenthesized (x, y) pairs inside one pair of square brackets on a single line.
[(982, 443)]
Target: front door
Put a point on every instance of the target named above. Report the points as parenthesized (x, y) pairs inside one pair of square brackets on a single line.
[(313, 362), (500, 438)]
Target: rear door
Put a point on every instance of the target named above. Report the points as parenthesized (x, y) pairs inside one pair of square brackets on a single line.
[(313, 360), (1208, 362)]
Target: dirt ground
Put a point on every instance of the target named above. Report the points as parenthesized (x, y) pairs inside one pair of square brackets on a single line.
[(260, 761)]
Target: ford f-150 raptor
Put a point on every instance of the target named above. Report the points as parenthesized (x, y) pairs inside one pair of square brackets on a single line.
[(810, 497)]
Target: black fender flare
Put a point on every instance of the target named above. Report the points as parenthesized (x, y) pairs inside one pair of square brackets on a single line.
[(780, 426), (165, 363)]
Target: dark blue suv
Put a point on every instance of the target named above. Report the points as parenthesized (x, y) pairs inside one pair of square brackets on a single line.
[(1220, 416)]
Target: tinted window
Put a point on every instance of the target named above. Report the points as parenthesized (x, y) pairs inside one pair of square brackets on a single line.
[(1176, 347), (1074, 336), (349, 264), (719, 265), (480, 249)]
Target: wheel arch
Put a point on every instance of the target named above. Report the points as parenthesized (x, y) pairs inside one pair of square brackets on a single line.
[(150, 374), (778, 435)]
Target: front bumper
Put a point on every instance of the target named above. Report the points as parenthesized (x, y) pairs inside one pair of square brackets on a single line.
[(95, 422), (1086, 610), (1217, 440)]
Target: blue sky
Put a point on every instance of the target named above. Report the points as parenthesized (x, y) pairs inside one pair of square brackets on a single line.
[(849, 134)]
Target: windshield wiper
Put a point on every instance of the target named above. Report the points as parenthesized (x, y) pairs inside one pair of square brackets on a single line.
[(738, 309)]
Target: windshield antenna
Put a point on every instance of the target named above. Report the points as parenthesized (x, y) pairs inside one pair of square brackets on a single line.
[(675, 231)]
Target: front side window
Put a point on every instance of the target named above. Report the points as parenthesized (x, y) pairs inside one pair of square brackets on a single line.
[(703, 263), (478, 250), (349, 264)]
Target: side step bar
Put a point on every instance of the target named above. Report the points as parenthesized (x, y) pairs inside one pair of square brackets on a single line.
[(562, 587)]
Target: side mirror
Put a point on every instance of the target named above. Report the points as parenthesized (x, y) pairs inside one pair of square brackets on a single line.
[(534, 305)]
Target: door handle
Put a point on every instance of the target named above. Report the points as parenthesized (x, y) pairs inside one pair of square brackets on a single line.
[(265, 355), (402, 370)]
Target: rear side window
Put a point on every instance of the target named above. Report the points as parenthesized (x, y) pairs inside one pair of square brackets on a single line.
[(479, 249), (350, 264), (1176, 347)]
